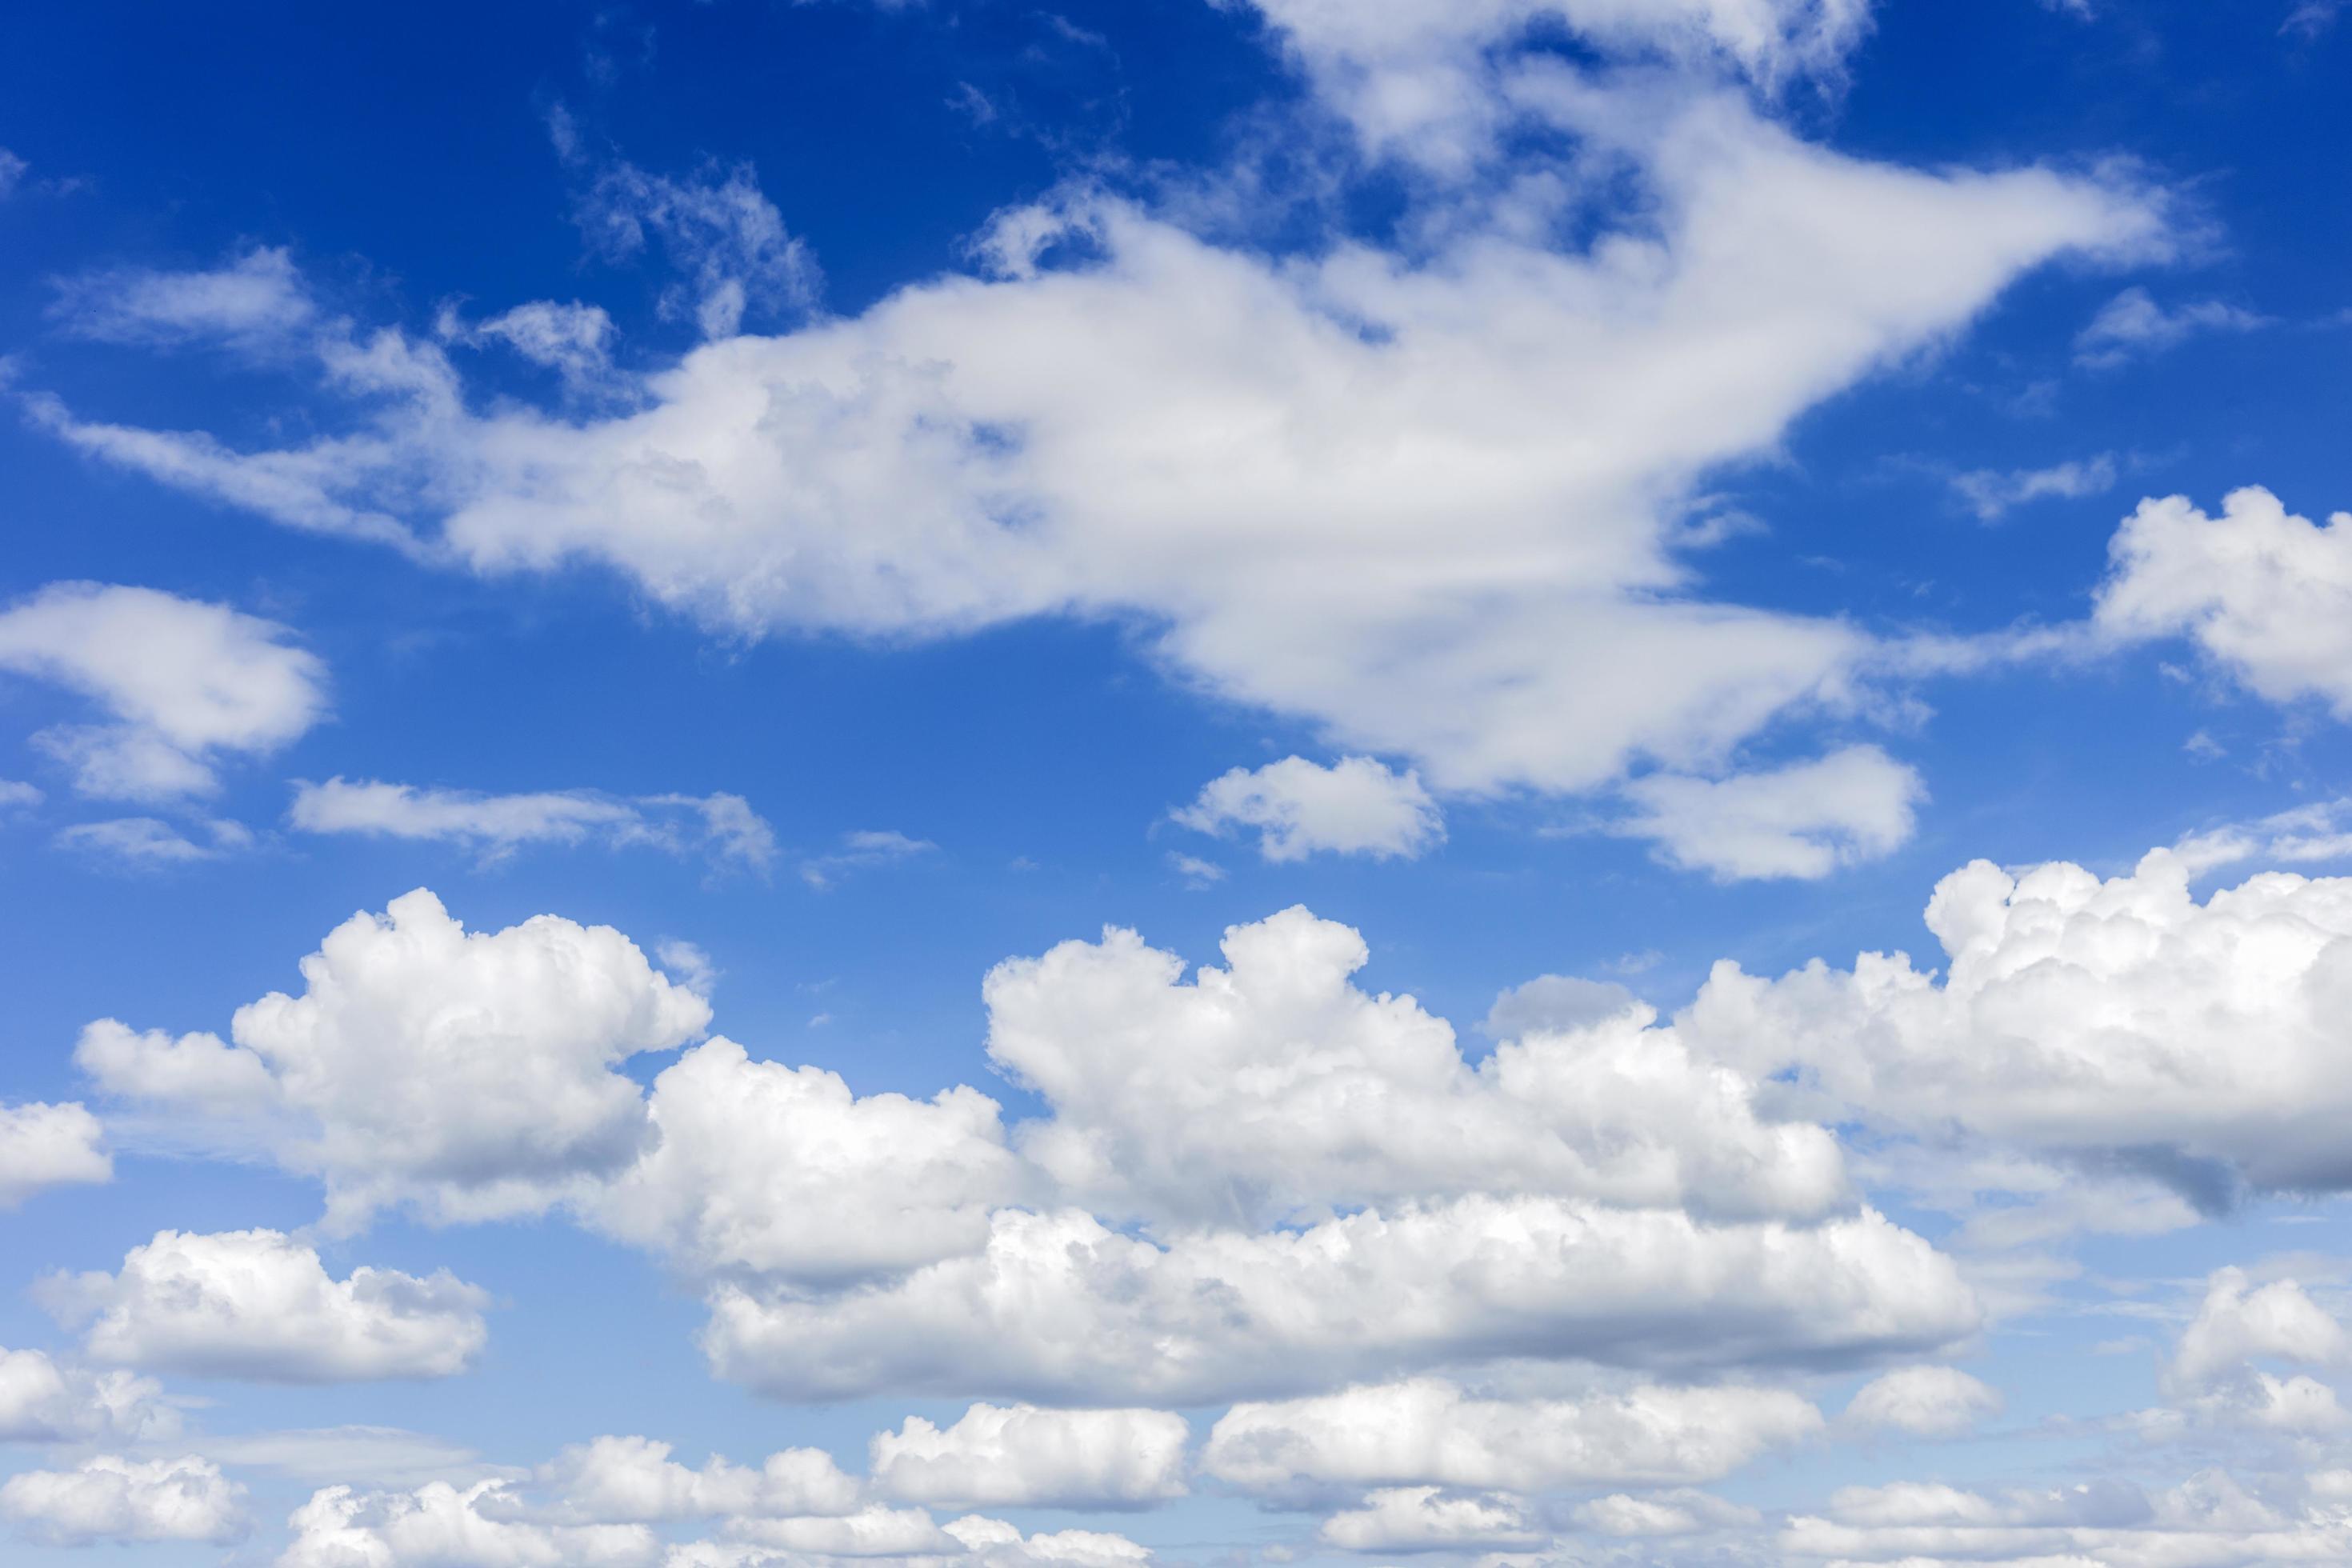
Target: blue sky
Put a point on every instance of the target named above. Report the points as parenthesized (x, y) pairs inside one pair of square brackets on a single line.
[(895, 533)]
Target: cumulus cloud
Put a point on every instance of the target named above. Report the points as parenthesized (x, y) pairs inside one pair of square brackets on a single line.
[(2239, 1321), (181, 680), (1424, 1519), (43, 1402), (723, 827), (2265, 594), (1432, 504), (469, 1074), (1062, 1309), (761, 1170), (256, 1304), (1022, 1457), (1274, 1088), (46, 1145), (2132, 326), (1355, 806), (1427, 1431), (1924, 1401), (438, 1523), (1801, 821), (111, 1499), (2119, 1023), (633, 1480)]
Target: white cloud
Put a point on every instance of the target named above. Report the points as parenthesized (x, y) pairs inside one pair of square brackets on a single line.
[(1429, 1432), (1422, 1519), (116, 1500), (2237, 1322), (1681, 1512), (574, 339), (12, 172), (1924, 1401), (1355, 806), (1804, 821), (1336, 483), (1555, 1004), (1199, 875), (2133, 325), (721, 232), (764, 1170), (861, 850), (182, 681), (2120, 1022), (254, 303), (255, 1304), (723, 827), (145, 843), (2207, 1520), (2318, 832), (633, 1480), (1062, 1309), (1022, 1457), (1275, 1088), (46, 1145), (42, 1402), (1993, 494), (1424, 81), (441, 1524), (470, 1075), (871, 1532), (2265, 594)]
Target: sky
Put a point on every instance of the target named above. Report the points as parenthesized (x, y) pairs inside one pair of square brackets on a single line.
[(954, 785)]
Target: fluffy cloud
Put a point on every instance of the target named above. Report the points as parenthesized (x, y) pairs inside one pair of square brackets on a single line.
[(116, 1500), (723, 827), (2209, 1520), (1063, 1310), (441, 1524), (1275, 1088), (1355, 806), (255, 1304), (765, 1169), (47, 1146), (42, 1402), (1804, 820), (1429, 1432), (2212, 1373), (470, 1074), (183, 681), (633, 1480), (2265, 594), (1433, 503), (1022, 1457), (2119, 1022), (1423, 1519), (1924, 1401)]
